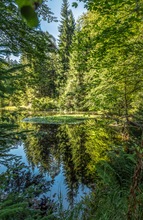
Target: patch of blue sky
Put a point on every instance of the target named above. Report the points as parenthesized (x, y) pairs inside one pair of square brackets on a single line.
[(55, 6), (52, 28)]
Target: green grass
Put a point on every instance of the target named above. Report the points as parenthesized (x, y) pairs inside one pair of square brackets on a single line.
[(56, 119)]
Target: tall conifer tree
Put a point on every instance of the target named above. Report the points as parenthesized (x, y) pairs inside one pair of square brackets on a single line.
[(66, 30)]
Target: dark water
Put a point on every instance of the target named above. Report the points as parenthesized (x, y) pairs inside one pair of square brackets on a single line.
[(66, 154)]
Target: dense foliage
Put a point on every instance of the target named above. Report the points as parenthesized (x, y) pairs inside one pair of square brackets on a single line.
[(106, 63), (96, 67)]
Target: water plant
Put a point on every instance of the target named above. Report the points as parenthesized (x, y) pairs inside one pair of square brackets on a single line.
[(57, 119)]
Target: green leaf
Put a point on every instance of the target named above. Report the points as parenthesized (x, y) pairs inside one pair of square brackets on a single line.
[(23, 3), (30, 15), (28, 2), (75, 4)]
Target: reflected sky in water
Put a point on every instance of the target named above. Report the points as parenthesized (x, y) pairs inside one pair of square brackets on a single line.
[(58, 189), (66, 154)]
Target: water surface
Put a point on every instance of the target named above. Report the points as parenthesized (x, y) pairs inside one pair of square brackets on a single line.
[(66, 154)]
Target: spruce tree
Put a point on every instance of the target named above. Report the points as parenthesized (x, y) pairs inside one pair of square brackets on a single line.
[(66, 30)]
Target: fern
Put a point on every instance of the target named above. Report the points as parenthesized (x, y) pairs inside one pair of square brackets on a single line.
[(111, 197)]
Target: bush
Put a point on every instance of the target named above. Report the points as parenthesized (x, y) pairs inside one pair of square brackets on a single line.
[(44, 104)]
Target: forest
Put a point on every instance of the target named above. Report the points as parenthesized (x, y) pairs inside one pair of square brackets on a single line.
[(93, 75)]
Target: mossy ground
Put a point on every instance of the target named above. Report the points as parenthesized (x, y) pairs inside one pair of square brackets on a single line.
[(57, 119)]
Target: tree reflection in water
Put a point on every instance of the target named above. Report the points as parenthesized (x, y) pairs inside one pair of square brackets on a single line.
[(70, 152)]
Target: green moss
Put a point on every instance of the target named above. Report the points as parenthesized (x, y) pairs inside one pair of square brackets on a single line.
[(68, 119)]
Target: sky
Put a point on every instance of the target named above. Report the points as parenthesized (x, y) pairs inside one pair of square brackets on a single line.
[(52, 28), (55, 6)]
